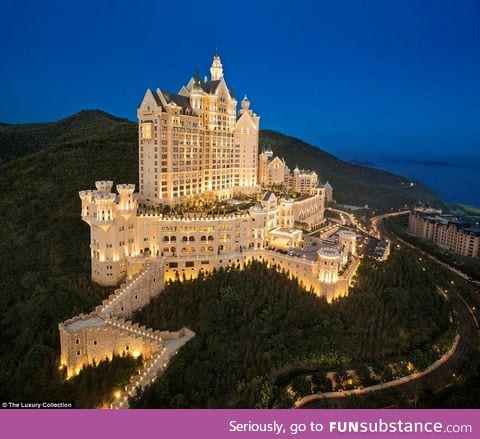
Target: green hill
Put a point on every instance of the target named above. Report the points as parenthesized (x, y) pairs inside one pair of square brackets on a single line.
[(353, 184), (19, 140), (44, 248)]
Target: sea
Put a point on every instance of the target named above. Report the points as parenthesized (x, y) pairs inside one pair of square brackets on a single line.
[(455, 179)]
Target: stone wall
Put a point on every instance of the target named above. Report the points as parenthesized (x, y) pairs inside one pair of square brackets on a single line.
[(135, 293), (89, 338)]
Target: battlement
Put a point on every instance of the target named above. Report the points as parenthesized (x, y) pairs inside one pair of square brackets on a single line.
[(193, 218), (104, 198), (135, 330), (104, 186), (329, 253), (126, 188)]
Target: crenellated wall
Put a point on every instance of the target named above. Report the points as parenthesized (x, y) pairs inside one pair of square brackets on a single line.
[(89, 338), (135, 293)]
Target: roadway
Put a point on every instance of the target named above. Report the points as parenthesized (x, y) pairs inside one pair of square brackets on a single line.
[(444, 374)]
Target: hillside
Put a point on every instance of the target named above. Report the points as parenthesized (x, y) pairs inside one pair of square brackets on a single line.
[(19, 140), (44, 248), (353, 184)]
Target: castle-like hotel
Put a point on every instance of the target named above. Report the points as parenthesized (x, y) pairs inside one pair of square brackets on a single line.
[(195, 147)]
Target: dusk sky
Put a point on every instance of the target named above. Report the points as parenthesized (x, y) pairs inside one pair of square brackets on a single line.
[(343, 75)]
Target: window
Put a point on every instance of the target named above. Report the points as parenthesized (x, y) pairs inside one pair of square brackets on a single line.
[(77, 341), (146, 131), (95, 343)]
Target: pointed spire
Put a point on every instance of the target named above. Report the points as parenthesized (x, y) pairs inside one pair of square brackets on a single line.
[(196, 77), (216, 70)]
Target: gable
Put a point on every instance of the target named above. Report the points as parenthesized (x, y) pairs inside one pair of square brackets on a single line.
[(150, 101), (246, 121)]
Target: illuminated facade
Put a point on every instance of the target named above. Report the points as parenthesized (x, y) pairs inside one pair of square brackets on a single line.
[(195, 142), (447, 231), (192, 242), (273, 171), (191, 144)]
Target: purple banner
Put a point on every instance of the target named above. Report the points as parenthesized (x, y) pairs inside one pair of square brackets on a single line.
[(221, 424)]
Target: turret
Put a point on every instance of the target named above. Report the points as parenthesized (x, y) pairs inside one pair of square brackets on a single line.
[(104, 208), (259, 218), (196, 93), (329, 260), (104, 186), (286, 214), (127, 202), (245, 106), (86, 197), (216, 70), (347, 240), (268, 152), (328, 191)]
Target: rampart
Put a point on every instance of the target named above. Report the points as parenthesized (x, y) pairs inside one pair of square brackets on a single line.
[(87, 339)]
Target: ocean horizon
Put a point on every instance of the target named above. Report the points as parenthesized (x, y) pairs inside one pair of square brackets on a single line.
[(454, 178)]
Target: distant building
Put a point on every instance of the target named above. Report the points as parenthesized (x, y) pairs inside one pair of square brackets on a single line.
[(447, 231), (328, 192), (303, 180), (273, 171)]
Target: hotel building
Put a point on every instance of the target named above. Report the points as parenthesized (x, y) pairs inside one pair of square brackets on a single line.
[(194, 141), (445, 230), (195, 144)]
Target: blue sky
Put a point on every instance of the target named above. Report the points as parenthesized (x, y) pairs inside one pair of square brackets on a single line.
[(344, 75)]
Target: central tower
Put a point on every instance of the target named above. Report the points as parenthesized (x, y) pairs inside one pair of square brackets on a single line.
[(194, 142), (216, 70)]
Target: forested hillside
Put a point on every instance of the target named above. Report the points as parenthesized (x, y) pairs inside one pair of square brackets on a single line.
[(353, 184), (251, 322), (44, 248)]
